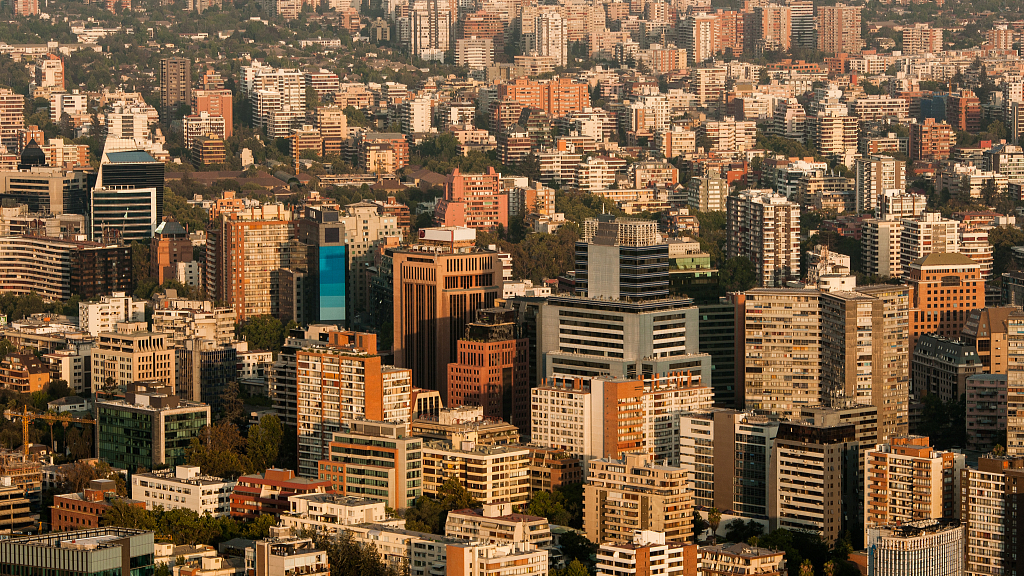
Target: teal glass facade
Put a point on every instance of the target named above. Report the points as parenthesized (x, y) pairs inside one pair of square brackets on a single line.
[(333, 267)]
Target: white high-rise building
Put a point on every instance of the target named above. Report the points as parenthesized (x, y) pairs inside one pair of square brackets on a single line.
[(551, 37), (474, 53), (415, 115), (875, 176), (926, 235), (765, 227), (430, 36), (105, 315), (880, 244)]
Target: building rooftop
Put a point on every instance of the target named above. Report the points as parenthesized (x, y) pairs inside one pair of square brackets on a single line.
[(944, 259), (80, 539), (921, 527), (130, 157), (743, 550)]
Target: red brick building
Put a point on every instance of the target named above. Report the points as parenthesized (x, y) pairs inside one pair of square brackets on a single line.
[(268, 493), (169, 246), (555, 97), (552, 468), (931, 140), (963, 111), (82, 510)]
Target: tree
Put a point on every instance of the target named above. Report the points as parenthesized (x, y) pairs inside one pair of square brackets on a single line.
[(699, 524), (231, 405), (124, 515), (259, 528), (806, 568), (262, 333), (576, 546), (454, 496), (738, 274), (263, 443), (576, 568), (546, 504), (217, 451), (714, 519), (1003, 240)]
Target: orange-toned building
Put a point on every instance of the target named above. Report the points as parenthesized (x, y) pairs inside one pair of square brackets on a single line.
[(215, 103), (439, 284), (931, 140), (169, 246), (23, 373), (483, 25), (392, 475), (555, 97), (492, 368), (344, 380), (944, 289), (963, 111), (552, 468), (268, 493), (395, 141), (473, 201)]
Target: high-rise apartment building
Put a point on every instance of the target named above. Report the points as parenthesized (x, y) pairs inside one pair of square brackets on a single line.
[(132, 354), (589, 418), (1015, 385), (551, 37), (415, 115), (729, 134), (391, 473), (907, 481), (944, 289), (170, 245), (932, 547), (765, 228), (727, 454), (770, 29), (963, 111), (492, 368), (431, 24), (802, 23), (622, 259), (175, 85), (439, 284), (708, 193), (344, 380), (215, 103), (495, 473), (931, 140), (922, 39), (474, 53), (245, 250), (839, 29), (700, 37), (928, 234), (880, 243), (557, 97), (12, 117), (617, 489), (473, 201), (990, 512), (875, 176), (647, 552), (109, 311), (814, 479)]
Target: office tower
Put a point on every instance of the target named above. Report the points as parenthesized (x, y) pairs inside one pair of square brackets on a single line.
[(474, 53), (492, 369), (990, 512), (12, 117), (590, 427), (638, 338), (871, 323), (204, 368), (616, 486), (175, 85), (875, 176), (314, 288), (491, 474), (473, 201), (963, 111), (907, 481), (922, 39), (215, 103), (245, 250), (928, 234), (700, 37), (551, 37), (622, 259), (393, 475), (933, 547), (839, 29), (727, 455), (814, 476), (439, 284), (431, 28), (716, 327), (954, 286), (802, 24), (130, 353), (128, 197), (764, 227), (344, 380), (45, 189), (149, 428)]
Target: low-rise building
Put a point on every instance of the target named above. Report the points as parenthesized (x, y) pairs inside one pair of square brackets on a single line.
[(331, 513), (496, 524), (646, 553), (83, 509), (268, 492), (23, 373), (100, 551), (741, 559), (286, 555), (184, 487)]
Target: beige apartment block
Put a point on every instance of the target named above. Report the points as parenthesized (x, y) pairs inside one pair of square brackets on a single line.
[(132, 354), (490, 473)]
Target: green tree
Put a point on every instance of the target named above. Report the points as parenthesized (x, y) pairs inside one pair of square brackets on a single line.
[(124, 515), (259, 528), (576, 546), (546, 504), (454, 496), (699, 524), (576, 568), (263, 443), (262, 333), (217, 451), (1003, 240), (806, 568), (738, 274), (714, 519)]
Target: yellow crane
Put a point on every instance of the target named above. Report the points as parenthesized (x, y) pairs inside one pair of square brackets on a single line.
[(27, 418)]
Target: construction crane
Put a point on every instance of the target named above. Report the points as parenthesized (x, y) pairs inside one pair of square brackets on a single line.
[(27, 418)]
